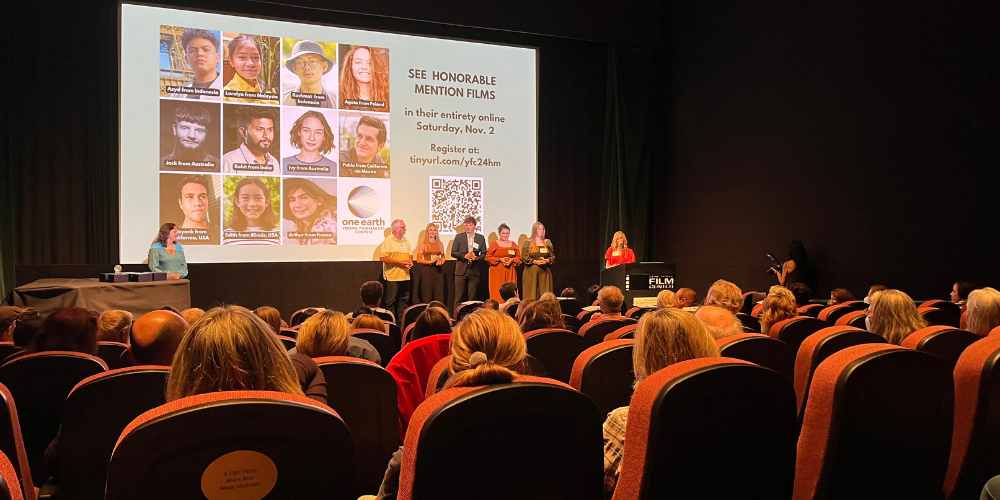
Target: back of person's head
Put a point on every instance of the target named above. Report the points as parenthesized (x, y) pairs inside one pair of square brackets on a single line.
[(171, 309), (961, 290), (667, 299), (540, 314), (592, 293), (326, 333), (726, 295), (568, 293), (230, 349), (361, 311), (371, 293), (802, 293), (368, 321), (839, 296), (156, 336), (300, 316), (872, 291), (610, 299), (687, 297), (893, 315), (436, 303), (491, 304), (28, 326), (778, 305), (667, 336), (194, 314), (983, 310), (522, 310), (508, 290), (113, 326), (720, 322), (70, 329), (271, 316), (432, 321), (9, 316), (548, 296), (486, 348)]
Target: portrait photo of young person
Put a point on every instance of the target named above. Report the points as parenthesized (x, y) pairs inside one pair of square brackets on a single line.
[(250, 68), (251, 210), (310, 146), (309, 211), (364, 78), (364, 145), (189, 136), (248, 137), (193, 202), (190, 63), (308, 73)]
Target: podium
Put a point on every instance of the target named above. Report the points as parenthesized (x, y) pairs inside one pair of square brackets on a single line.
[(641, 281)]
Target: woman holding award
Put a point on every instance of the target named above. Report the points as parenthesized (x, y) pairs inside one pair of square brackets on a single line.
[(430, 253), (537, 255), (503, 258)]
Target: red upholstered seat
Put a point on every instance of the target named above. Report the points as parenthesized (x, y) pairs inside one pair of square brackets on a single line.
[(438, 377), (288, 342), (832, 313), (942, 304), (976, 436), (749, 321), (793, 331), (852, 319), (995, 331), (944, 342), (877, 425), (111, 353), (811, 310), (963, 320), (466, 307), (9, 487), (857, 305), (410, 314), (282, 445), (12, 447), (625, 332), (532, 439), (594, 331), (604, 373), (410, 368), (97, 411), (584, 316), (945, 317), (570, 306), (686, 417), (557, 349), (755, 312), (760, 350), (380, 340), (364, 395), (821, 345), (39, 383), (407, 332)]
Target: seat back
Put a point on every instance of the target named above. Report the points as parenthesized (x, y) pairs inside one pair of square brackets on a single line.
[(438, 377), (691, 413), (604, 373), (289, 332), (877, 425), (793, 331), (97, 411), (380, 341), (941, 304), (557, 349), (584, 316), (411, 313), (755, 312), (625, 332), (39, 384), (748, 303), (407, 332), (811, 310), (364, 395), (111, 353), (819, 346), (6, 349), (12, 447), (572, 324), (594, 331), (410, 368), (283, 445), (857, 305), (570, 306), (853, 318), (944, 342), (395, 332), (466, 307), (749, 321), (760, 350), (831, 314), (9, 488), (551, 432), (511, 309), (944, 317), (288, 342)]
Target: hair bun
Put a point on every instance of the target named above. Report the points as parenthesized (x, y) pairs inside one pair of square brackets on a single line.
[(477, 358)]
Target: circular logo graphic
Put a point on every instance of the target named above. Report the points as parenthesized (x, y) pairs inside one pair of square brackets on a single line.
[(363, 202)]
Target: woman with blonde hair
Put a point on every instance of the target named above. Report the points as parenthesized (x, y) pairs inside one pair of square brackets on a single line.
[(983, 306), (667, 300), (778, 305), (662, 338), (430, 254), (324, 334), (364, 80), (368, 322), (537, 256), (114, 326), (271, 316), (726, 295), (893, 315), (618, 253)]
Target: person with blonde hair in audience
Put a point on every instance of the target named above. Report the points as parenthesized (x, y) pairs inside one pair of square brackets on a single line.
[(324, 334), (893, 315), (271, 316), (777, 306), (610, 300), (839, 296), (369, 322), (667, 300), (113, 326), (192, 314), (983, 310), (548, 296), (726, 295), (720, 322), (662, 338), (687, 298)]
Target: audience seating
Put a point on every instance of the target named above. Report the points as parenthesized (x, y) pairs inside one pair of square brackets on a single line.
[(637, 312), (595, 330), (760, 350), (288, 342), (755, 312), (438, 377), (819, 346), (406, 333), (853, 318), (410, 314), (941, 304), (12, 447), (570, 306), (289, 332), (877, 425), (380, 341), (944, 317), (557, 349), (6, 349), (466, 307), (604, 373), (395, 332), (944, 342), (748, 302), (111, 353), (511, 309), (811, 310), (97, 411), (531, 439), (364, 395), (710, 428), (625, 332), (963, 320), (295, 447), (410, 368), (9, 487), (39, 384), (572, 323), (584, 316), (832, 313), (793, 331), (857, 305), (749, 321), (296, 320)]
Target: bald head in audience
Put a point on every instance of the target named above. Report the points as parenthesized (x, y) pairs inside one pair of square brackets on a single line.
[(720, 322), (686, 297), (155, 337)]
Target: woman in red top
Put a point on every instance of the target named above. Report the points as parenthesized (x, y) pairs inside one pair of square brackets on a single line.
[(503, 257), (619, 253)]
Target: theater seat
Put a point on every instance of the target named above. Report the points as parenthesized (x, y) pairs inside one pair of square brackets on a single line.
[(976, 438), (39, 384), (97, 411), (625, 332), (760, 350), (832, 313), (511, 310), (395, 332), (755, 312), (710, 428), (594, 331), (944, 342), (811, 310), (531, 439), (12, 447), (466, 307), (410, 369), (604, 373), (584, 316), (288, 342), (942, 304), (6, 349), (793, 331), (853, 318), (438, 377), (749, 321), (819, 346), (943, 317), (9, 488), (364, 395), (279, 445), (380, 341), (857, 305), (557, 349), (572, 324), (963, 320), (877, 425), (289, 332), (411, 313), (111, 353), (748, 303), (570, 306)]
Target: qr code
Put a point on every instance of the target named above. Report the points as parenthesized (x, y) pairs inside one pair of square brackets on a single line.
[(455, 198)]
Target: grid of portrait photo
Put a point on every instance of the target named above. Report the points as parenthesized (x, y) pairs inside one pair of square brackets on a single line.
[(256, 131)]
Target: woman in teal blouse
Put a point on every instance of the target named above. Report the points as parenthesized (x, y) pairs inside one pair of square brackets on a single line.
[(166, 255)]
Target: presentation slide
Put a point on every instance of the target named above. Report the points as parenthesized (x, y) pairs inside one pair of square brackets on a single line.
[(270, 141)]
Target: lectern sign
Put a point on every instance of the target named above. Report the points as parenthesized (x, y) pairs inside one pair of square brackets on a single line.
[(647, 282), (640, 280)]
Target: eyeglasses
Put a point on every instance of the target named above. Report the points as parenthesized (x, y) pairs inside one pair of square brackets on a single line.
[(306, 64)]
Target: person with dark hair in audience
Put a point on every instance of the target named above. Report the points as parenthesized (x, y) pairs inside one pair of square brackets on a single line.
[(569, 293), (839, 296), (371, 296), (113, 326), (193, 314), (155, 337), (327, 333), (592, 294), (491, 304), (610, 300), (802, 293), (960, 292), (872, 291), (726, 295), (893, 315), (70, 329), (720, 322), (662, 338), (778, 305), (508, 293), (433, 321), (300, 316), (271, 316), (983, 309), (26, 328), (368, 322), (539, 314), (8, 321), (687, 297), (359, 311)]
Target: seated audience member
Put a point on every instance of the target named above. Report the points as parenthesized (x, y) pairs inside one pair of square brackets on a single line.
[(667, 300), (802, 293), (271, 316), (370, 322), (610, 300), (508, 292), (487, 348), (113, 326), (540, 314), (893, 315), (9, 315), (726, 295), (491, 304), (548, 296), (960, 292), (299, 317), (778, 305), (983, 308), (662, 338), (433, 321), (569, 293), (28, 326), (156, 336), (359, 311), (524, 305), (192, 314), (839, 296), (438, 304), (371, 297), (70, 329), (872, 291), (720, 322), (327, 334), (687, 298)]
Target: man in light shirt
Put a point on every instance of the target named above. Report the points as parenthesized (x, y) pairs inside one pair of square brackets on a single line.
[(397, 259)]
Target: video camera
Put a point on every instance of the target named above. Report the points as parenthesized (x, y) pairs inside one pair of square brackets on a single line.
[(775, 265)]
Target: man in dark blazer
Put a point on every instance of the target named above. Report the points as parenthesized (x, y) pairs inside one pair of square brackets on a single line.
[(468, 249)]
